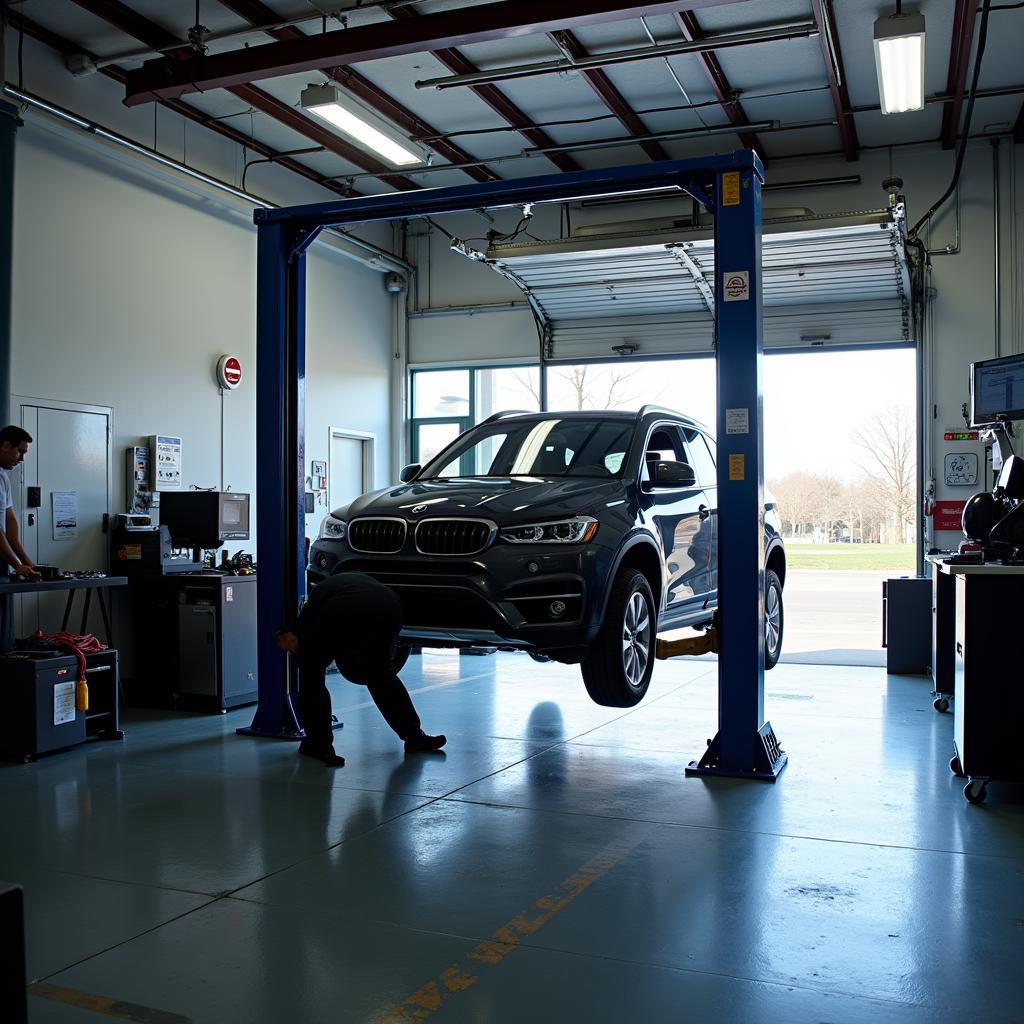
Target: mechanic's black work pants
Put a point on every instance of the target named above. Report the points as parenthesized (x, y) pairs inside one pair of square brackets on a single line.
[(386, 689)]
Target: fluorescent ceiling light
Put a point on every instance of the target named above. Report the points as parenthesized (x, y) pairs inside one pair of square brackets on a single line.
[(899, 60), (361, 125)]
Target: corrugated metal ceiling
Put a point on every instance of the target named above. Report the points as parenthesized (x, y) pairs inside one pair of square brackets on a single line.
[(783, 81)]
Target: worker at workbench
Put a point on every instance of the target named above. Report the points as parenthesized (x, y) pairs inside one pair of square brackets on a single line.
[(354, 621), (14, 559)]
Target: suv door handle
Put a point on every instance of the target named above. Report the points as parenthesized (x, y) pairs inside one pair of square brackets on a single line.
[(703, 511)]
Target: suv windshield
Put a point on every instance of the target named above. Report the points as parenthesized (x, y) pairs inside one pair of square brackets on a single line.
[(538, 448)]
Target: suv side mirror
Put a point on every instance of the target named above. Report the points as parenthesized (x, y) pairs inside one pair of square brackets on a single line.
[(408, 472), (672, 474)]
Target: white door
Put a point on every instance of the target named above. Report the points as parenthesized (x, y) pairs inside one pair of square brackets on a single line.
[(350, 470), (70, 459)]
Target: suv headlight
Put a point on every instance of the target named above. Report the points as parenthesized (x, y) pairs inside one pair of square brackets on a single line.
[(332, 529), (577, 530)]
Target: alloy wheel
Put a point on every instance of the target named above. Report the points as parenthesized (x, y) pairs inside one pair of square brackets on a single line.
[(636, 639), (772, 619)]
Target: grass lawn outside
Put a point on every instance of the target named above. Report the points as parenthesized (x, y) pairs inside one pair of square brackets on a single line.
[(850, 556)]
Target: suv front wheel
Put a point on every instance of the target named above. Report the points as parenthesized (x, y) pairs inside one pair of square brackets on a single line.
[(773, 618), (617, 671)]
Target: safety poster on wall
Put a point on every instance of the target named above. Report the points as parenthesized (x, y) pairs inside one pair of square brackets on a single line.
[(65, 514)]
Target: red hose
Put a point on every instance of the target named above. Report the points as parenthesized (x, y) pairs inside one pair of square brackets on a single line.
[(79, 646)]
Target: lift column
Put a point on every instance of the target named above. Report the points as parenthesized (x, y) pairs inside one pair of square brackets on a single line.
[(280, 455), (745, 746)]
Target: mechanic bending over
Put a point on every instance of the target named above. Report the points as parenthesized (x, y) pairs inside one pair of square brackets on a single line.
[(14, 558), (354, 621)]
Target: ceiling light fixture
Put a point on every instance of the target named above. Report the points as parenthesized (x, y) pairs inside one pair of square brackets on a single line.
[(899, 60), (361, 125)]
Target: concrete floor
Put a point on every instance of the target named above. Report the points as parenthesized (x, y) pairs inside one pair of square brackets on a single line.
[(554, 865)]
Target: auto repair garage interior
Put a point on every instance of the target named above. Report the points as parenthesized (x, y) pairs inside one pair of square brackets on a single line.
[(258, 258)]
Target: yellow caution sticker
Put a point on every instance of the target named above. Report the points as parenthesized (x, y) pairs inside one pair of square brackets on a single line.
[(731, 188), (737, 467)]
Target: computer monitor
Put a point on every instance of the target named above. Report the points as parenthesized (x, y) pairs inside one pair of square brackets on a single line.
[(997, 390), (204, 519)]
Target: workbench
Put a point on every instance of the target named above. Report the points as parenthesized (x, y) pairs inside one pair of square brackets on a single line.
[(14, 585)]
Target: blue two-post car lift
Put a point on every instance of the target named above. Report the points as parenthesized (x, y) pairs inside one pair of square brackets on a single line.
[(729, 187)]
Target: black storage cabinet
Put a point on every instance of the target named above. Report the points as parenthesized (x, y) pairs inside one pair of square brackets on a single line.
[(28, 683), (907, 625), (989, 706)]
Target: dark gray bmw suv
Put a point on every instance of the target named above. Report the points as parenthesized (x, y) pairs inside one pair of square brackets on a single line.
[(576, 537)]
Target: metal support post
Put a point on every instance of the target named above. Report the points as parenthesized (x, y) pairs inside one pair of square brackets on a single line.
[(745, 746), (9, 123), (280, 483)]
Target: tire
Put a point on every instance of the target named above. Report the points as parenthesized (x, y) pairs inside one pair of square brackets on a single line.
[(774, 619), (617, 670)]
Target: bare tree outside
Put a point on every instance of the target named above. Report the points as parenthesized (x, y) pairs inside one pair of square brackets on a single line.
[(590, 386), (890, 447)]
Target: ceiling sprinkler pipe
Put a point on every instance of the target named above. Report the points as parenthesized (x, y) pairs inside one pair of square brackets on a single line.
[(747, 37)]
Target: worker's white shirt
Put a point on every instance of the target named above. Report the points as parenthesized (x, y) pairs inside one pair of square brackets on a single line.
[(5, 499)]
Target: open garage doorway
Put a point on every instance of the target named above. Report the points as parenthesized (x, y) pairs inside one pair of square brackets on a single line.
[(840, 451)]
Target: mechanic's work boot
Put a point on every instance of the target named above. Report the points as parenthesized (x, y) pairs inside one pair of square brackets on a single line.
[(422, 743), (325, 754)]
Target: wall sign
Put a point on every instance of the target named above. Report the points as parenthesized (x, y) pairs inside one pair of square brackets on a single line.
[(948, 515), (229, 372), (65, 514), (961, 469), (166, 462)]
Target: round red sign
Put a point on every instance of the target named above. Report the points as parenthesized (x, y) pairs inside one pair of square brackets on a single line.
[(229, 372)]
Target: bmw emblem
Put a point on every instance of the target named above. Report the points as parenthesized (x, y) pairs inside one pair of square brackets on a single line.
[(417, 509)]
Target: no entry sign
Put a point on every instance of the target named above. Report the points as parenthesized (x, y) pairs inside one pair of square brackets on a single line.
[(229, 372)]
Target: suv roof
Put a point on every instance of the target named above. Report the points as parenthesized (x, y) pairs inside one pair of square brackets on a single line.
[(617, 414)]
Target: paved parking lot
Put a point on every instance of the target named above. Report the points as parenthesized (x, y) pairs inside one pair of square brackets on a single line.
[(834, 617)]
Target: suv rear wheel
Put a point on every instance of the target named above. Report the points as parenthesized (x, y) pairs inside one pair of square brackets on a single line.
[(617, 671)]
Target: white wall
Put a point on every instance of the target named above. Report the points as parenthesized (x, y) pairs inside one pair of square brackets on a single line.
[(127, 290), (961, 325)]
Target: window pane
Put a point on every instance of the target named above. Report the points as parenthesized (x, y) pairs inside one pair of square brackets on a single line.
[(682, 385), (505, 388), (432, 437), (700, 459), (440, 393)]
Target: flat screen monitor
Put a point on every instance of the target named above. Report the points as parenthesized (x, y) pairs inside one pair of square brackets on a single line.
[(997, 390), (205, 519)]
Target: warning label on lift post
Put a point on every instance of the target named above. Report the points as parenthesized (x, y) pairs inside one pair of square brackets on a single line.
[(736, 285)]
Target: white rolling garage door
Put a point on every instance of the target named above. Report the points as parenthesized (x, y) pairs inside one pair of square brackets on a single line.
[(827, 282)]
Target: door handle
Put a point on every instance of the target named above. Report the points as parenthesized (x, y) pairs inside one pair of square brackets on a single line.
[(31, 519), (703, 511)]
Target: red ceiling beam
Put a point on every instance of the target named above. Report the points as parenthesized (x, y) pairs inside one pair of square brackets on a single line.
[(455, 62), (124, 18), (161, 78), (67, 47), (959, 59), (258, 13), (599, 81), (828, 37), (719, 83)]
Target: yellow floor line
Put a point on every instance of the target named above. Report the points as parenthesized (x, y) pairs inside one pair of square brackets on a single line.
[(439, 991), (116, 1008)]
